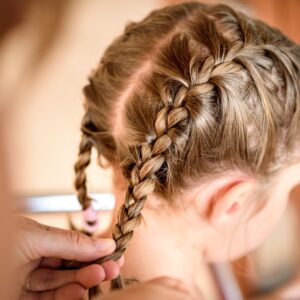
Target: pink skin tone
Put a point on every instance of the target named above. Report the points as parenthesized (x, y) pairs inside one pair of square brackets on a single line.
[(40, 250), (215, 222), (90, 220)]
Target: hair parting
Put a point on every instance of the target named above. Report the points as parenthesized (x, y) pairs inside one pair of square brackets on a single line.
[(220, 92)]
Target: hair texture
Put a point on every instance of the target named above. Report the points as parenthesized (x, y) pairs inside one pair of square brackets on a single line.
[(184, 95)]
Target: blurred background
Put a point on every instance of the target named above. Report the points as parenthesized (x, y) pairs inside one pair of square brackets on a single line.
[(44, 62)]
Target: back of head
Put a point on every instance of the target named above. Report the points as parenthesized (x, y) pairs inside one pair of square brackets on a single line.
[(188, 93)]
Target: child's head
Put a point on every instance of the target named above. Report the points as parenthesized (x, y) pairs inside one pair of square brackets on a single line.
[(197, 106)]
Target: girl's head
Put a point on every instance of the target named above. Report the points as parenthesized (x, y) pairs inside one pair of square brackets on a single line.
[(196, 107)]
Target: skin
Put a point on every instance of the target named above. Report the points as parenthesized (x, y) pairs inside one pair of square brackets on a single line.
[(38, 259), (39, 252), (6, 227), (174, 238), (35, 250), (32, 254), (163, 288), (215, 222)]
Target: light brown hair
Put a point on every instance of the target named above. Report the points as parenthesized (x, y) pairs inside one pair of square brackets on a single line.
[(189, 92)]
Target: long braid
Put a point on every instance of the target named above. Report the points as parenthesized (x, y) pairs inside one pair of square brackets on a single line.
[(83, 161), (84, 158), (143, 178), (203, 94), (150, 156)]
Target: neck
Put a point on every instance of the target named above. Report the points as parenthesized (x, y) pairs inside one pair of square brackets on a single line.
[(162, 247)]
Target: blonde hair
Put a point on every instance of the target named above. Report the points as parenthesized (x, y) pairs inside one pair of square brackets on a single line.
[(189, 92)]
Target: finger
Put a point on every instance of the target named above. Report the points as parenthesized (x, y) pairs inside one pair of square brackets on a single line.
[(121, 261), (55, 263), (70, 245), (71, 292), (112, 269), (48, 279), (50, 262)]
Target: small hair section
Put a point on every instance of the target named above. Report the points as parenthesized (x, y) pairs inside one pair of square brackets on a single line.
[(90, 218), (83, 161)]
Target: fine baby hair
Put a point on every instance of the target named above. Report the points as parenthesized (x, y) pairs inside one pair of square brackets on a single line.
[(187, 93)]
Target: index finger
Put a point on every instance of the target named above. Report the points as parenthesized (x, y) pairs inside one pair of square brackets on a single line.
[(49, 241)]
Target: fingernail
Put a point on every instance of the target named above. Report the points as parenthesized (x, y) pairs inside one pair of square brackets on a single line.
[(105, 245)]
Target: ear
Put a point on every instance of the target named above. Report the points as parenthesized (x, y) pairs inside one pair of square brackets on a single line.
[(230, 203)]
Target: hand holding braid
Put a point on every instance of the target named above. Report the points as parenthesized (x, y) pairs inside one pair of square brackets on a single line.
[(142, 177), (217, 91)]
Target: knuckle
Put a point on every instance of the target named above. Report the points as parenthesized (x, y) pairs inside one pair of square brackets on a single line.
[(76, 276), (47, 279), (75, 239)]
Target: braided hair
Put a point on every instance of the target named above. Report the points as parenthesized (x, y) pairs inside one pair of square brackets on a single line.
[(196, 90)]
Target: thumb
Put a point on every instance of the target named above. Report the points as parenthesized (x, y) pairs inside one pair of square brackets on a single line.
[(44, 241)]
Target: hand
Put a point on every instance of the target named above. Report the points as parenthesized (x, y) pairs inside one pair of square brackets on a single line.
[(40, 252), (162, 288)]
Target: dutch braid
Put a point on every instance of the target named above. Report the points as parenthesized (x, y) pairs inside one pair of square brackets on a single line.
[(151, 156), (143, 178), (223, 87)]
